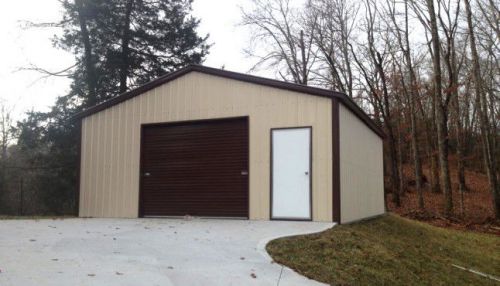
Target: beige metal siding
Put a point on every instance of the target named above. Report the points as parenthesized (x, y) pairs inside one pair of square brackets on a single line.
[(361, 169), (109, 184)]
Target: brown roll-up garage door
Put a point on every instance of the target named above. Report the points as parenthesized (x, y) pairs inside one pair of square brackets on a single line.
[(195, 168)]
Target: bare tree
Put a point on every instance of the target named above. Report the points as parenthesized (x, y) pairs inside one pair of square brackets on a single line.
[(411, 92), (333, 22), (487, 138), (448, 19), (380, 92), (441, 103), (290, 47)]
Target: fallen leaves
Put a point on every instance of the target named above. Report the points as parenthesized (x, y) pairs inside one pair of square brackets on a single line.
[(478, 213)]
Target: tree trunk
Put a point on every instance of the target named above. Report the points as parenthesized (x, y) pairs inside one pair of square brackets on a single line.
[(441, 114), (400, 159), (462, 187), (90, 74), (416, 155), (396, 184), (444, 171), (413, 122), (303, 65), (452, 92), (385, 109), (436, 186), (488, 152), (430, 146), (345, 54), (125, 50)]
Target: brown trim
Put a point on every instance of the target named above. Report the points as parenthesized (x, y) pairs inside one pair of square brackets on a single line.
[(141, 159), (335, 162), (248, 167), (310, 176), (79, 166), (344, 99), (182, 122)]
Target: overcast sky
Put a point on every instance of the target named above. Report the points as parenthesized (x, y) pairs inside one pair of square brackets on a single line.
[(24, 90)]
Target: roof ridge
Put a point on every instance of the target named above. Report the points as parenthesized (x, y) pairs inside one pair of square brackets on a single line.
[(316, 91)]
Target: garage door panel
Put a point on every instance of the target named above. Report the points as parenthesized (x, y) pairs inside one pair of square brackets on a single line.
[(195, 169)]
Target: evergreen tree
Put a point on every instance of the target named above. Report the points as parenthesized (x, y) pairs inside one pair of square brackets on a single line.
[(118, 45)]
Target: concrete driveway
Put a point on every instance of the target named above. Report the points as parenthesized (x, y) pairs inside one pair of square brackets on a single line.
[(145, 252)]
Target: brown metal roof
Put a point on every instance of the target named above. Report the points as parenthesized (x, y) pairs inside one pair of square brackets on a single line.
[(344, 99)]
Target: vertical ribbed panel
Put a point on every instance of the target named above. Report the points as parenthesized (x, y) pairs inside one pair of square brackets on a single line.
[(361, 169), (111, 139), (195, 168)]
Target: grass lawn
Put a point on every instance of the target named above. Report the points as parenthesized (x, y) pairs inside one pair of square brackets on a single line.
[(391, 250)]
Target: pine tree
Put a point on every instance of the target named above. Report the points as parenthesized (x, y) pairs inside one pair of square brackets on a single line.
[(118, 45)]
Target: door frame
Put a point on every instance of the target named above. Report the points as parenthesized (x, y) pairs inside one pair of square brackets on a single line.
[(140, 209), (310, 175)]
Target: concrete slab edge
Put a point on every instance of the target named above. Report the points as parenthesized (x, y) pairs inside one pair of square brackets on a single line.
[(261, 246)]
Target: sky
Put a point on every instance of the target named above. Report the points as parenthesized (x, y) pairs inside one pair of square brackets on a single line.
[(22, 47)]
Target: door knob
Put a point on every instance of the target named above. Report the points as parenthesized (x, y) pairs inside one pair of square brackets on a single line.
[(306, 173), (147, 174), (244, 173)]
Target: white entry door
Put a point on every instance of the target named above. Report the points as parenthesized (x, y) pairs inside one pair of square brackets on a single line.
[(291, 173)]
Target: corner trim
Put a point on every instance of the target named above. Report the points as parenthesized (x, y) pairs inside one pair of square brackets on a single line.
[(336, 205), (79, 166)]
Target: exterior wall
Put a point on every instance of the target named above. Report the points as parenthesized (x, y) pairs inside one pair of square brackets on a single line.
[(361, 169), (109, 182)]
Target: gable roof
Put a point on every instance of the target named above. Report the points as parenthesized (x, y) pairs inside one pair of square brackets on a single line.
[(343, 98)]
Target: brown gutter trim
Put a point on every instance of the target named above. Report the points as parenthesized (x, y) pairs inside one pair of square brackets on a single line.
[(344, 99), (335, 161)]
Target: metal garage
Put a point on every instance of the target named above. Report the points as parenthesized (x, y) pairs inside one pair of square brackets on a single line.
[(213, 143)]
